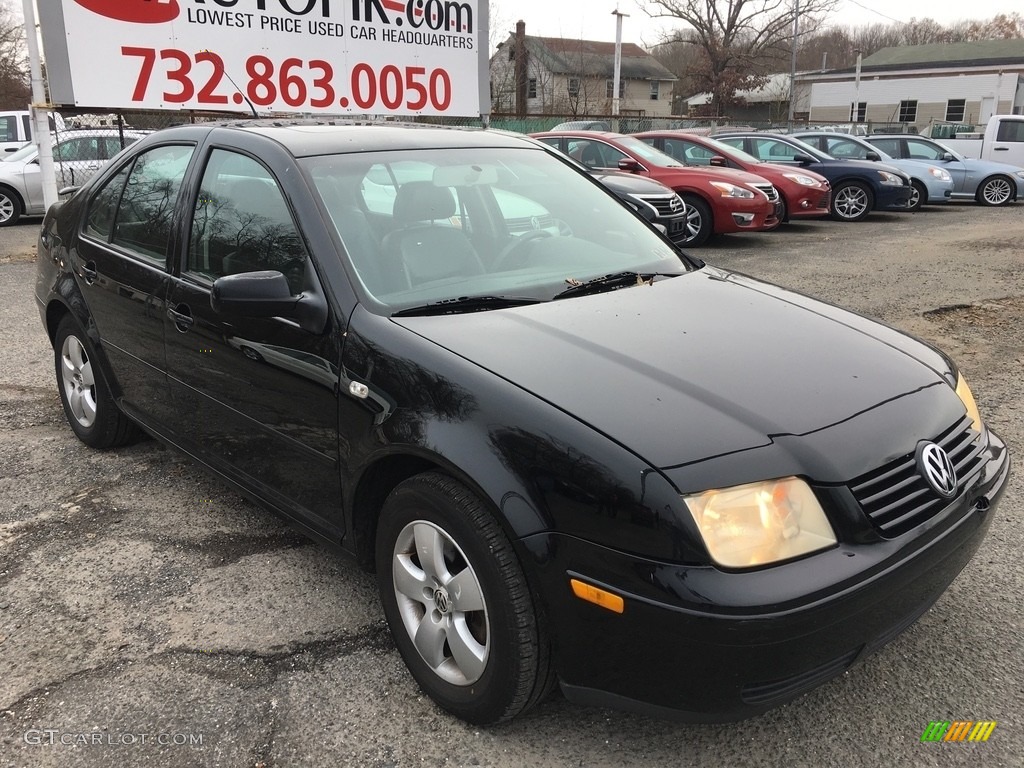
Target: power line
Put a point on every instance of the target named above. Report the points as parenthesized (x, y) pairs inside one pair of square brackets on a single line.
[(872, 10)]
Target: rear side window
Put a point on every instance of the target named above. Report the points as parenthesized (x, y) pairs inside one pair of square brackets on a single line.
[(135, 208), (9, 128), (889, 146)]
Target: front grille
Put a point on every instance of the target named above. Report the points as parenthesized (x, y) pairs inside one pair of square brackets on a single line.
[(896, 498), (666, 205), (769, 190)]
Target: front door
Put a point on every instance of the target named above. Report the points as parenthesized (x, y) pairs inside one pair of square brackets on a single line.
[(261, 394)]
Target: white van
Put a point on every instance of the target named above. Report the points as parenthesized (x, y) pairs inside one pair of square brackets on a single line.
[(16, 129)]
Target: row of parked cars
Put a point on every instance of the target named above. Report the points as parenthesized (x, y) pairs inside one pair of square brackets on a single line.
[(753, 181)]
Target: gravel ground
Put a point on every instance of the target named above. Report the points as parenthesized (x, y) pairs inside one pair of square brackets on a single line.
[(138, 597)]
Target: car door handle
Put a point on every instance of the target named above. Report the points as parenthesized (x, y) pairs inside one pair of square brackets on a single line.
[(1001, 149), (182, 317), (89, 273)]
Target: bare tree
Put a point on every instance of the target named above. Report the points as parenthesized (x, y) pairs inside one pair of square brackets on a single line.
[(15, 91), (737, 39)]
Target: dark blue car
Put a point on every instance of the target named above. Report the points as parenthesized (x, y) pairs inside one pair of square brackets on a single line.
[(858, 186)]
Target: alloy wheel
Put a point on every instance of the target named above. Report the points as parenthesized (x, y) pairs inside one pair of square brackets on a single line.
[(78, 380)]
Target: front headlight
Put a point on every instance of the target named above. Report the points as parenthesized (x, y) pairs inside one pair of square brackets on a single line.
[(799, 178), (1020, 174), (967, 398), (759, 523), (731, 190), (890, 179), (940, 174)]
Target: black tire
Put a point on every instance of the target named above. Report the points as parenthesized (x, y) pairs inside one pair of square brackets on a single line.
[(699, 223), (996, 190), (918, 196), (851, 201), (88, 404), (10, 207), (509, 667)]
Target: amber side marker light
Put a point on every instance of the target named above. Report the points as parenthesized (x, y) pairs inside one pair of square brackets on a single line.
[(597, 596)]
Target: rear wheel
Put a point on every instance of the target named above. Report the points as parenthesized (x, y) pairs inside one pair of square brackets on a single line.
[(851, 201), (88, 404), (457, 602), (918, 195), (699, 223), (995, 190), (10, 208)]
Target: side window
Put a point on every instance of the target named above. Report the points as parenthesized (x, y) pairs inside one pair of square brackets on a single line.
[(844, 148), (769, 149), (1010, 130), (143, 223), (76, 150), (921, 150), (698, 155), (103, 207), (8, 128), (889, 146), (111, 145), (242, 223)]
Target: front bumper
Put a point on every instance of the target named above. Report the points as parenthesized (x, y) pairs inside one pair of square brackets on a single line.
[(892, 197), (700, 644), (738, 215), (807, 204)]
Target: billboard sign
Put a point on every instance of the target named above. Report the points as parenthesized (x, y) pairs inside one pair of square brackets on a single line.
[(312, 56)]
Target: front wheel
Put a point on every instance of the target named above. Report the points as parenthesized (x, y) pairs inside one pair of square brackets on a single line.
[(457, 602), (851, 201), (996, 190), (918, 195), (699, 224)]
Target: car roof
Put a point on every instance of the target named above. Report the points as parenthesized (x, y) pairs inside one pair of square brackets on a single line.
[(306, 138)]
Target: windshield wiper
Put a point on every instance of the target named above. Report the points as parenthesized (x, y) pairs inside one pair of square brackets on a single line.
[(466, 304), (611, 282)]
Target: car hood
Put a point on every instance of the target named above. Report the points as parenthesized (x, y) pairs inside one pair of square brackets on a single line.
[(693, 367), (733, 175), (631, 184)]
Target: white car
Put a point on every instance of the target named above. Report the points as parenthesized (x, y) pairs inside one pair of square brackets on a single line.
[(77, 155)]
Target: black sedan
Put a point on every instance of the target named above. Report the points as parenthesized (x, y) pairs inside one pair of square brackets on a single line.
[(570, 453), (658, 204), (858, 186)]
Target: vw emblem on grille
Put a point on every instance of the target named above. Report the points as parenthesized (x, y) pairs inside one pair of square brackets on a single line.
[(937, 470), (534, 222)]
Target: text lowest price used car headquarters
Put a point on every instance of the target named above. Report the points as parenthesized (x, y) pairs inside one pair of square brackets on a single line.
[(573, 455)]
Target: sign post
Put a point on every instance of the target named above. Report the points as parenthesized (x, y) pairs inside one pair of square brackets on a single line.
[(40, 109)]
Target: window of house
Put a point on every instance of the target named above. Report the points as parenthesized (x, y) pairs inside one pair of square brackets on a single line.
[(610, 88), (511, 53), (955, 109), (908, 111), (858, 111), (531, 88), (574, 86), (655, 89)]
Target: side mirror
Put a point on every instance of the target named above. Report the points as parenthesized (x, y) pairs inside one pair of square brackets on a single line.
[(629, 165), (719, 162), (803, 159), (267, 294), (873, 156), (67, 191), (948, 157), (254, 294)]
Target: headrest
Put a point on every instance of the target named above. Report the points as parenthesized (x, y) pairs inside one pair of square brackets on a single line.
[(422, 201)]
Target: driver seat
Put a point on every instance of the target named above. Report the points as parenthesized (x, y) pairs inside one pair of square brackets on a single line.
[(426, 243)]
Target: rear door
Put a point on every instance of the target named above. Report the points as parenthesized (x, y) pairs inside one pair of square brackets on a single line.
[(922, 149), (1008, 146), (122, 271), (261, 394)]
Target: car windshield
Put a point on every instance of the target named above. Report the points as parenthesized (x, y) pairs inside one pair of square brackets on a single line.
[(428, 226), (807, 149), (647, 152)]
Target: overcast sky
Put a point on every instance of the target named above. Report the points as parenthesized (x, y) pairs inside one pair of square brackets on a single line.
[(593, 20)]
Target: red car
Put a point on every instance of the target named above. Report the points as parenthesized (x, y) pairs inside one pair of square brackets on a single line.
[(718, 200), (804, 193)]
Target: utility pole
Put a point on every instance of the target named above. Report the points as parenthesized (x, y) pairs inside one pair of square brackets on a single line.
[(40, 109), (618, 65), (792, 62), (855, 112)]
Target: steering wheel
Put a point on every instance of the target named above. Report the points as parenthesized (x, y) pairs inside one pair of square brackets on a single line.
[(516, 247)]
